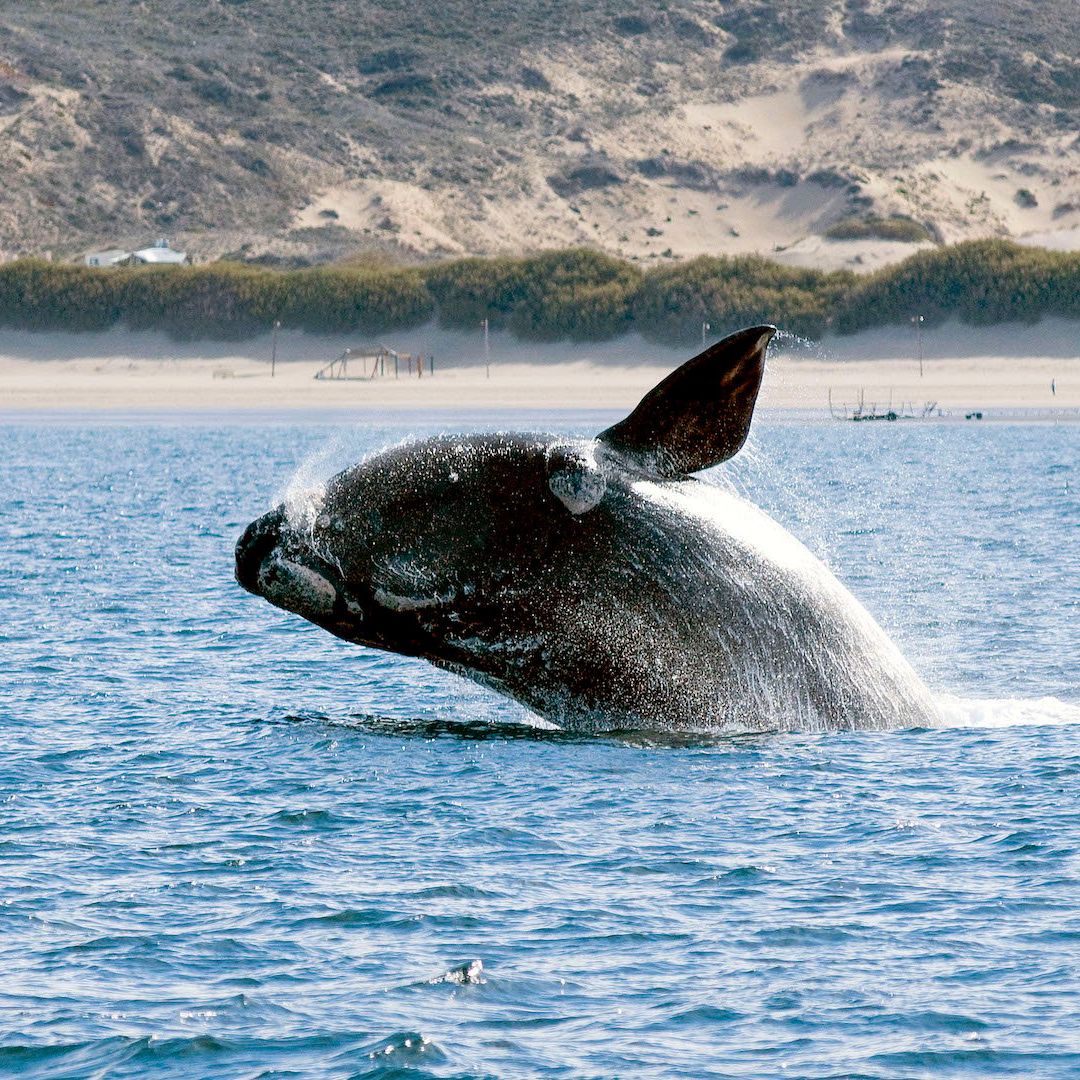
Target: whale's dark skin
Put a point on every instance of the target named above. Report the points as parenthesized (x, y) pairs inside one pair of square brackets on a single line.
[(594, 581)]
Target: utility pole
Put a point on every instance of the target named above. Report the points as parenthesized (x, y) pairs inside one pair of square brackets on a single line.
[(487, 350), (273, 348), (918, 321), (705, 328)]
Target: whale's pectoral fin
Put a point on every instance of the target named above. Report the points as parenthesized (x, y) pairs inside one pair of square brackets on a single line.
[(700, 414)]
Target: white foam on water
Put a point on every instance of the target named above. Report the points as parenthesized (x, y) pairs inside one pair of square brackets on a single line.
[(959, 712)]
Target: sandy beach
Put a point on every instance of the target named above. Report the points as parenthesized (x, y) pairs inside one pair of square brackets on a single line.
[(1003, 369)]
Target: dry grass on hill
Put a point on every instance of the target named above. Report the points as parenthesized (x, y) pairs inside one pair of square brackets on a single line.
[(335, 129)]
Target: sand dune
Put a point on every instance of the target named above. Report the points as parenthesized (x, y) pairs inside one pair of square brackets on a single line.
[(830, 137)]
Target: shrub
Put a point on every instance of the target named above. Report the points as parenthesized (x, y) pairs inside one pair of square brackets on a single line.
[(222, 300), (577, 293), (731, 292), (467, 291), (979, 282), (878, 228), (218, 301), (39, 295), (367, 300)]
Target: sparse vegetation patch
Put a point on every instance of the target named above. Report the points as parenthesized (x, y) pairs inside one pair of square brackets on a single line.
[(904, 229)]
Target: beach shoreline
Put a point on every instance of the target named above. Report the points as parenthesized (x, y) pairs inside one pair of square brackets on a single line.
[(1043, 387), (1035, 371)]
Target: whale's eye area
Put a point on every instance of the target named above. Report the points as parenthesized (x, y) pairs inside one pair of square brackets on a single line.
[(575, 479)]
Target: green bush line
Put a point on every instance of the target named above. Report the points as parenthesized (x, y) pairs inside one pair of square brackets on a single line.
[(576, 295)]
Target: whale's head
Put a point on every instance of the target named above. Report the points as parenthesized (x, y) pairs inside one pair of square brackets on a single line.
[(469, 550), (399, 549)]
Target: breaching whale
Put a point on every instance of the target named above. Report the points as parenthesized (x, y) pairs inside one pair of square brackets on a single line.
[(593, 580)]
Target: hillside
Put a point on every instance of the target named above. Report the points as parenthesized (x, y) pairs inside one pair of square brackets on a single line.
[(292, 133)]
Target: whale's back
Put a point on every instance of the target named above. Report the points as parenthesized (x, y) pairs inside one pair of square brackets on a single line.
[(754, 631)]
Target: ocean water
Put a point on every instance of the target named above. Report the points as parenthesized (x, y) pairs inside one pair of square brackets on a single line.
[(231, 846)]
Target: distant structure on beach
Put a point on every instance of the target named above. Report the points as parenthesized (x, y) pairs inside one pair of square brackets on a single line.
[(862, 411), (377, 356), (158, 254)]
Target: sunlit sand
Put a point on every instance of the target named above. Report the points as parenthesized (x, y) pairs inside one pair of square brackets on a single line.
[(1011, 368)]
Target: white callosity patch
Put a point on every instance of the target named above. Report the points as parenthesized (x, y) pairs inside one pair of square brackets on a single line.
[(576, 480), (397, 602), (513, 650), (295, 587), (354, 609)]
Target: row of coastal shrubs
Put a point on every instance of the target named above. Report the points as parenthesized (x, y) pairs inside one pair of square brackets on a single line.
[(576, 294)]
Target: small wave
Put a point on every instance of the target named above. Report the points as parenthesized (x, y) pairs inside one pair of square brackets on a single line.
[(312, 818), (353, 917), (402, 1053), (1006, 712), (102, 1056), (700, 1016), (457, 891), (406, 1048)]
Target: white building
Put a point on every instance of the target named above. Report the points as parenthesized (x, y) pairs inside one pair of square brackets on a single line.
[(158, 255), (111, 257)]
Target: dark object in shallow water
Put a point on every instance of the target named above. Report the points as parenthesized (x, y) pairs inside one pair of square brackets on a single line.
[(593, 580)]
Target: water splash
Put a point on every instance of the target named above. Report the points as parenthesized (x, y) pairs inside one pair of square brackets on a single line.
[(785, 341), (1006, 712), (469, 973), (807, 654), (305, 491)]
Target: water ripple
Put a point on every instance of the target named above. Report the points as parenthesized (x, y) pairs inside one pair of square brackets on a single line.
[(234, 847)]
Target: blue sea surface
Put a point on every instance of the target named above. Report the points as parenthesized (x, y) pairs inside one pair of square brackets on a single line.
[(232, 846)]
